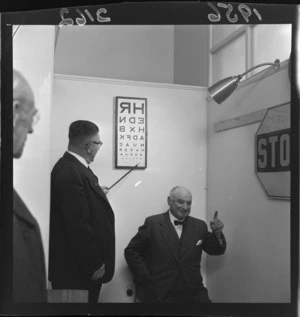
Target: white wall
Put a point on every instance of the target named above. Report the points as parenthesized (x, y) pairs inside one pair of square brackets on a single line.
[(236, 48), (176, 153), (256, 266), (191, 54), (33, 53), (130, 52), (154, 53)]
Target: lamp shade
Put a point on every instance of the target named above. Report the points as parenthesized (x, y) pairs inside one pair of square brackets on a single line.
[(221, 90)]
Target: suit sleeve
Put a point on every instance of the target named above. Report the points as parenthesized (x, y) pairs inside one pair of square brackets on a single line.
[(214, 245), (135, 254), (75, 212)]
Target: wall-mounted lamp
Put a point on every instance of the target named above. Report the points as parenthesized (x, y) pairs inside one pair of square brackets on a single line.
[(222, 89)]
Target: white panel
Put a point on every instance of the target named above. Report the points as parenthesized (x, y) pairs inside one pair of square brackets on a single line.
[(33, 54), (271, 42), (176, 154), (229, 60), (256, 265), (220, 32)]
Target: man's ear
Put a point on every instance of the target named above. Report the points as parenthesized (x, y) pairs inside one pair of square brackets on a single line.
[(88, 147), (169, 200), (16, 108)]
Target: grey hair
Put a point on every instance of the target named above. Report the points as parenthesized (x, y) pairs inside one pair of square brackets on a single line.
[(173, 190)]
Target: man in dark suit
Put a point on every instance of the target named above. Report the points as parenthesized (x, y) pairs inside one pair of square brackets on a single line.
[(29, 275), (164, 256), (82, 231)]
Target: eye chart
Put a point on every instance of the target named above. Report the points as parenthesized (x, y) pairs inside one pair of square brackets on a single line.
[(131, 132)]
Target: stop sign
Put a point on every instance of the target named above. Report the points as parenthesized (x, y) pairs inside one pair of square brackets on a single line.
[(272, 144)]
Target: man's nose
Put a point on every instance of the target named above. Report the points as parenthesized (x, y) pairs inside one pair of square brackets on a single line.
[(186, 205)]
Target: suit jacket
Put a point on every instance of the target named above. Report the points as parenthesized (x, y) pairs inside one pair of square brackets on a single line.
[(29, 275), (82, 231), (156, 256)]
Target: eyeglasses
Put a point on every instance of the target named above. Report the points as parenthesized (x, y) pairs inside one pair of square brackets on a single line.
[(35, 116), (95, 142), (98, 143)]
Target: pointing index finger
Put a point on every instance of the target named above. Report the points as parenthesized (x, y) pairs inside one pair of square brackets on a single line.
[(216, 214)]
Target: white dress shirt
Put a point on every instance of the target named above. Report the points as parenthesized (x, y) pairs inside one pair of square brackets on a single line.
[(177, 228)]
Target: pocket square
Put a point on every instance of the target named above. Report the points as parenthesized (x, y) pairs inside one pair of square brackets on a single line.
[(199, 243)]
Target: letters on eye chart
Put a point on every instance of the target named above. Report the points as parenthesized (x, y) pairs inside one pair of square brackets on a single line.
[(131, 132)]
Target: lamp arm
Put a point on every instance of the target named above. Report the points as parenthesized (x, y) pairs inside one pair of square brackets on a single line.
[(276, 64)]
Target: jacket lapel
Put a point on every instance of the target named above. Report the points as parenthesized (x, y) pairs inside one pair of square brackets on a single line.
[(186, 237), (170, 236), (93, 179)]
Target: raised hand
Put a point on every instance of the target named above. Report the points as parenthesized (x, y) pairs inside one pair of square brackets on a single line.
[(216, 224), (105, 189)]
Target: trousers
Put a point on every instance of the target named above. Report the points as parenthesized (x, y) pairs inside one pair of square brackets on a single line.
[(93, 291), (181, 292)]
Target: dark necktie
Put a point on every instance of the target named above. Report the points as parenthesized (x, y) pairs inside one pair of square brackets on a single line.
[(177, 222)]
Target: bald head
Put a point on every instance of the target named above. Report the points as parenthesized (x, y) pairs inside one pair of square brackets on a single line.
[(22, 91), (178, 191), (180, 202), (24, 112)]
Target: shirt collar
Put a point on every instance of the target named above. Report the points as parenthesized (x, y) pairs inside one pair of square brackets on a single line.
[(80, 159)]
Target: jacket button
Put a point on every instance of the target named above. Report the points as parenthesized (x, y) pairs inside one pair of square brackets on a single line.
[(25, 235)]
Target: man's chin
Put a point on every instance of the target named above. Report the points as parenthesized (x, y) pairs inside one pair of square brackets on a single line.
[(18, 154), (184, 215)]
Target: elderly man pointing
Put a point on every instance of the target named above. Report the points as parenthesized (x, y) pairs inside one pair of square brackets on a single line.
[(164, 256)]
